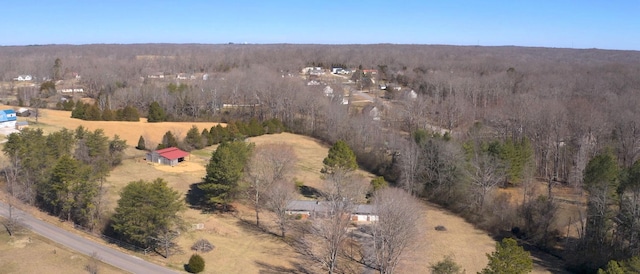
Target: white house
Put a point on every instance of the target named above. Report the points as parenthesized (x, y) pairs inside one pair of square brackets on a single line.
[(318, 209), (364, 213), (23, 78)]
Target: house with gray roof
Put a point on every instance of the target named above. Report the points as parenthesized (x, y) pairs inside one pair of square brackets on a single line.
[(317, 209)]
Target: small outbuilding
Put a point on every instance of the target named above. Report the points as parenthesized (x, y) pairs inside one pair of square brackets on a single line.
[(168, 156)]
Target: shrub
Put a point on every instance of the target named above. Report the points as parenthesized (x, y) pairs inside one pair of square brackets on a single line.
[(196, 264), (202, 245), (446, 266)]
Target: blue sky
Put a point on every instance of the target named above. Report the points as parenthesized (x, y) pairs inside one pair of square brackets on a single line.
[(543, 23)]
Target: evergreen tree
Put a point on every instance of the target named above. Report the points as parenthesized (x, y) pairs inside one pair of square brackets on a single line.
[(78, 111), (141, 144), (168, 140), (145, 210), (92, 113), (340, 157), (196, 264), (612, 268), (194, 138), (254, 128), (128, 113), (108, 115), (509, 257), (206, 137), (70, 191), (156, 113), (224, 170)]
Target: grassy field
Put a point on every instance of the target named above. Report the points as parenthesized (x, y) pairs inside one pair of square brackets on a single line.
[(239, 246), (31, 253), (53, 120)]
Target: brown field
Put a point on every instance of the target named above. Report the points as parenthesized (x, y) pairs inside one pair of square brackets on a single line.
[(239, 246), (31, 253), (53, 120)]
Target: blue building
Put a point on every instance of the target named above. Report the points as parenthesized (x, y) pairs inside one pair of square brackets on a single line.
[(8, 118)]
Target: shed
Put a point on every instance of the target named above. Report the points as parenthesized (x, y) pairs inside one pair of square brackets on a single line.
[(167, 156)]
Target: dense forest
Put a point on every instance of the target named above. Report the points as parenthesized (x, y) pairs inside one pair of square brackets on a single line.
[(484, 118)]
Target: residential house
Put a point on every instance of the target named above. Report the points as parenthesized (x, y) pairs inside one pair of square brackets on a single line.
[(157, 75), (169, 156), (23, 78), (340, 71), (364, 213), (318, 209)]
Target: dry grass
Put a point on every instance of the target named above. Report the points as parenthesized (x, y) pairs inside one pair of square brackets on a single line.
[(54, 120), (31, 253), (240, 247)]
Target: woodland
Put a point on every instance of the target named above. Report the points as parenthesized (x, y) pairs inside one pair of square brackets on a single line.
[(484, 120)]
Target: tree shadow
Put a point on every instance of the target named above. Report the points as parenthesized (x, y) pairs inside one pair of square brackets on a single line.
[(195, 197), (310, 192), (266, 268)]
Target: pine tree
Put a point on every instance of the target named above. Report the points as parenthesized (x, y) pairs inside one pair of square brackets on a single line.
[(156, 113), (145, 210), (509, 257), (194, 138), (224, 170), (141, 144), (78, 111), (340, 157)]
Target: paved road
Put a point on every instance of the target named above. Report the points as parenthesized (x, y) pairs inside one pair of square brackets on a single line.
[(106, 254)]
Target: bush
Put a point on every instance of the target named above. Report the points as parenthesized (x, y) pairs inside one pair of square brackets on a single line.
[(196, 264), (446, 266), (202, 245)]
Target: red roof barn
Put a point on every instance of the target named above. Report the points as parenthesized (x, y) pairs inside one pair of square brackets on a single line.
[(167, 156)]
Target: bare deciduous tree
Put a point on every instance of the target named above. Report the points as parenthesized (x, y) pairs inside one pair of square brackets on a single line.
[(280, 194), (270, 164), (486, 173), (328, 232), (397, 229)]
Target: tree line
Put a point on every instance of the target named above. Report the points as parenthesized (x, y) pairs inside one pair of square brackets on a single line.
[(63, 172), (560, 106)]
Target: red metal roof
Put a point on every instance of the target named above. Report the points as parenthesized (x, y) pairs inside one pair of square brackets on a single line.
[(172, 153)]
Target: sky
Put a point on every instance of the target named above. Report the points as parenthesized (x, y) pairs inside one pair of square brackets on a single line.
[(612, 24)]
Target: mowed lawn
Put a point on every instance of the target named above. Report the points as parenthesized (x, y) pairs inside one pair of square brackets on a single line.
[(239, 246)]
